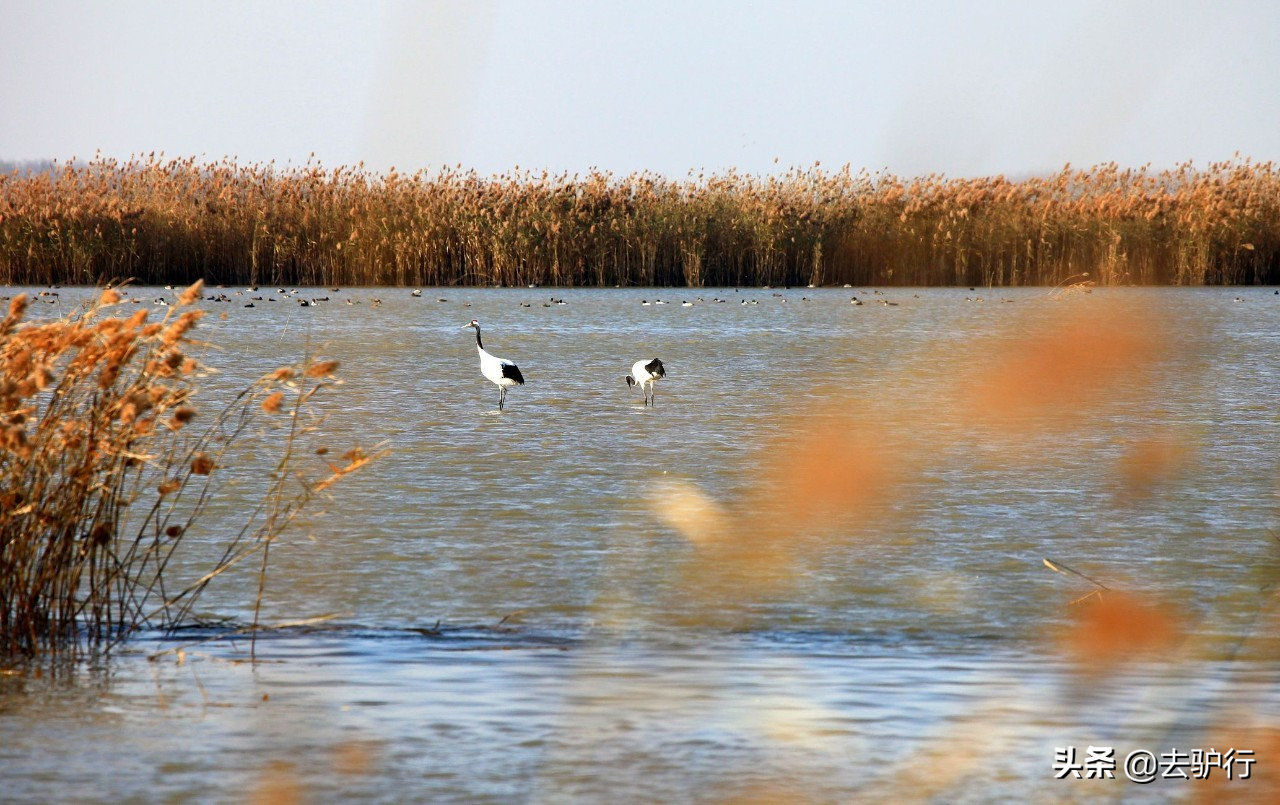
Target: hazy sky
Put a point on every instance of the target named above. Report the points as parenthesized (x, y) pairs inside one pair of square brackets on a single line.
[(969, 87)]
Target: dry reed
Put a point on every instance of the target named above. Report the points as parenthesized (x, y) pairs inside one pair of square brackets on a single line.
[(169, 221), (107, 463)]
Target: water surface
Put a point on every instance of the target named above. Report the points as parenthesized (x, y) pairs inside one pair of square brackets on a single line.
[(513, 616)]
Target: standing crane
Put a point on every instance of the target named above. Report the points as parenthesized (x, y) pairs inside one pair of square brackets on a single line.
[(499, 370), (645, 374)]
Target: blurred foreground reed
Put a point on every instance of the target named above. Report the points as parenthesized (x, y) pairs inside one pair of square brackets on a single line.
[(171, 221), (842, 466)]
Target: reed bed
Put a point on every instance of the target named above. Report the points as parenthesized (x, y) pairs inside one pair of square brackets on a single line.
[(106, 469), (170, 221)]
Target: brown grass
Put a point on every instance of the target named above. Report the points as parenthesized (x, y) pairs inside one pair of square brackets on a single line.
[(105, 468), (165, 221)]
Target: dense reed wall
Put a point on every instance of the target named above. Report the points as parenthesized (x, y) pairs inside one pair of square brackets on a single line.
[(173, 221)]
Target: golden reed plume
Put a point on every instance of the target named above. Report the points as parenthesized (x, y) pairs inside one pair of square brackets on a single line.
[(151, 219)]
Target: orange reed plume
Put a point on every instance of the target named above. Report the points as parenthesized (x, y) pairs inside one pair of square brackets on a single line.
[(1061, 374), (1112, 628)]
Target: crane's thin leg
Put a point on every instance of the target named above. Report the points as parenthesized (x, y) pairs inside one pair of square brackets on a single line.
[(502, 396)]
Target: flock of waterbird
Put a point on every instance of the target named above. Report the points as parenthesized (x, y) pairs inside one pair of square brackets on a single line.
[(500, 371), (644, 373)]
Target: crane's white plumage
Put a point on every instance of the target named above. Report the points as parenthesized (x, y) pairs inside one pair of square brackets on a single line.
[(644, 374), (499, 370)]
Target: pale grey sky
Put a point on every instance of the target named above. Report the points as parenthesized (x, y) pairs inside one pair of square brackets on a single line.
[(915, 86)]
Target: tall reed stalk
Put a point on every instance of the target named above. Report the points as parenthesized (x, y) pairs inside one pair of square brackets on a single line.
[(105, 473), (170, 221)]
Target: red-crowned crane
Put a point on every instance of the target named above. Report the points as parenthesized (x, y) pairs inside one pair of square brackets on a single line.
[(644, 374), (498, 370)]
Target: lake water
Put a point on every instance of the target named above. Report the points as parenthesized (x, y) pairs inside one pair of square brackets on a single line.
[(538, 604)]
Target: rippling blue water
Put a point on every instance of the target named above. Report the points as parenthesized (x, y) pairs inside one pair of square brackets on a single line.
[(913, 649)]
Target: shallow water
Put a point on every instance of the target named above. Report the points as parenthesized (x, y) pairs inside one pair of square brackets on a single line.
[(517, 613)]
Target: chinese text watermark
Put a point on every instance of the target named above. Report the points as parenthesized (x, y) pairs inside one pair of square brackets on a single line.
[(1144, 766)]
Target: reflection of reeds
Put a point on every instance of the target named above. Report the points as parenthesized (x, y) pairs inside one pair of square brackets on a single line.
[(167, 221), (103, 472), (282, 782)]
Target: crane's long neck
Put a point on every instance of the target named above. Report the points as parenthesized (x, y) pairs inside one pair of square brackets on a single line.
[(479, 343)]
